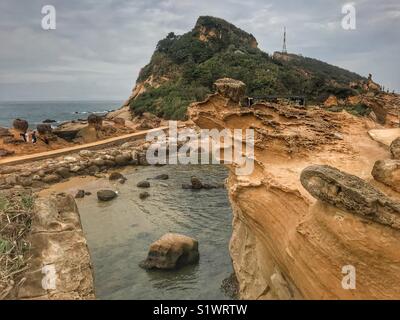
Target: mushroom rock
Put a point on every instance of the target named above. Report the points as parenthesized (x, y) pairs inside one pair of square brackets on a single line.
[(230, 88), (20, 125)]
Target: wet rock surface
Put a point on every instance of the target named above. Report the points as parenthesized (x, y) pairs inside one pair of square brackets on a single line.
[(80, 194), (172, 251), (163, 176), (350, 193), (144, 195), (106, 195), (116, 176), (143, 184), (197, 184)]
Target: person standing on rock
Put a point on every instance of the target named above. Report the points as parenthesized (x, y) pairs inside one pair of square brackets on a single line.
[(34, 138)]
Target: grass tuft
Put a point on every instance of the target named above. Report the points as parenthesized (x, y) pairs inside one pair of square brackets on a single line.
[(15, 222)]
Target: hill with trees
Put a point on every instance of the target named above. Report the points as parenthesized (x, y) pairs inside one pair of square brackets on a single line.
[(184, 67)]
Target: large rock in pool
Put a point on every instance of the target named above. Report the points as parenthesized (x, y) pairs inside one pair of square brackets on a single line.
[(143, 184), (106, 195), (20, 125), (172, 251)]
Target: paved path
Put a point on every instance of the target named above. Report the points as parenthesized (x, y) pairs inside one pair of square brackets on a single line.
[(59, 152)]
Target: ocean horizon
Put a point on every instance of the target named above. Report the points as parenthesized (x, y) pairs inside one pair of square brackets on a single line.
[(36, 111)]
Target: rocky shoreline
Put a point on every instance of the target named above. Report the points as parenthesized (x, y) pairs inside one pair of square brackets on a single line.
[(56, 237)]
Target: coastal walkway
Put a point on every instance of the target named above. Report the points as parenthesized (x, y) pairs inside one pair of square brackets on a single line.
[(94, 145)]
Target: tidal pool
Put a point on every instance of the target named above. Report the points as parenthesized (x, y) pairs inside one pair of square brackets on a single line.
[(120, 232)]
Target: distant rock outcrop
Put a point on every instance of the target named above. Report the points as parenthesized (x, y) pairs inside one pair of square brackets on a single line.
[(44, 128), (95, 121), (21, 125)]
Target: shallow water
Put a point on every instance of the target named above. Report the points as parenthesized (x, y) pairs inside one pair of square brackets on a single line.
[(120, 232)]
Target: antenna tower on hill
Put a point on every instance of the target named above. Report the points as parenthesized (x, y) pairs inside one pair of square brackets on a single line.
[(284, 50)]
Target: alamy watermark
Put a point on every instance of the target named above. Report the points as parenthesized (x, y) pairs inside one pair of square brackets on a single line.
[(349, 21), (234, 147), (49, 20), (349, 279), (50, 277)]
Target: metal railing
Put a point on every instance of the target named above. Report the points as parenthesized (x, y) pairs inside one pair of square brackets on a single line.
[(299, 100)]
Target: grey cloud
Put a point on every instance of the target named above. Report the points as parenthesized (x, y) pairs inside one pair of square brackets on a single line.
[(100, 46)]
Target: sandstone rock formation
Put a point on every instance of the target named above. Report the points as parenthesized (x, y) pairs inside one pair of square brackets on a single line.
[(4, 132), (285, 243), (57, 245), (388, 172), (230, 88), (21, 125), (44, 128), (95, 121), (172, 251), (331, 101), (395, 149), (352, 194)]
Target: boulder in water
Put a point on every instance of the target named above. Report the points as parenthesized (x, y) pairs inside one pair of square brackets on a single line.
[(172, 251), (144, 195), (116, 176), (106, 195), (163, 176), (80, 194), (196, 183), (143, 184)]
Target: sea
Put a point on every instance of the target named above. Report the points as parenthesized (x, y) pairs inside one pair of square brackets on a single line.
[(36, 112)]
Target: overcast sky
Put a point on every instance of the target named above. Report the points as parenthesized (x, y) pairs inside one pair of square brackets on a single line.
[(99, 46)]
